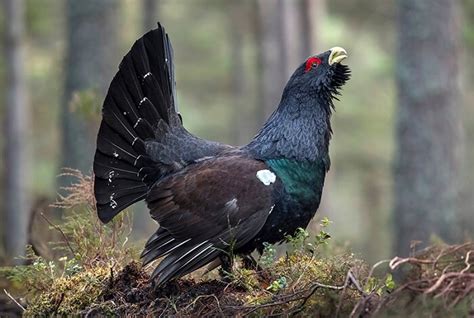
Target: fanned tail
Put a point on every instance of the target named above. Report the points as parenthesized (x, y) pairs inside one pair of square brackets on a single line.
[(140, 106)]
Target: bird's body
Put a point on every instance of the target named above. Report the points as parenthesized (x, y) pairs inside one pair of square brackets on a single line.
[(211, 199)]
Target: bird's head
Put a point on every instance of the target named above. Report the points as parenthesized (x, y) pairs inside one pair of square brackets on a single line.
[(320, 75), (300, 127)]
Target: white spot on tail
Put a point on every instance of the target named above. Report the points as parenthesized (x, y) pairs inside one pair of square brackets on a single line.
[(134, 140), (136, 160), (115, 154), (138, 121), (266, 176), (113, 203), (111, 175), (146, 75)]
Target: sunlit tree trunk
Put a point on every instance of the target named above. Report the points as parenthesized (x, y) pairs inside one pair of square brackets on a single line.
[(91, 61), (429, 125), (16, 201)]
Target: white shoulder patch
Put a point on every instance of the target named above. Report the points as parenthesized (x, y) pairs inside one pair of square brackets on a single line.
[(266, 176)]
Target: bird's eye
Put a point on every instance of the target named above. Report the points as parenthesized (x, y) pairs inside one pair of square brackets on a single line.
[(311, 63)]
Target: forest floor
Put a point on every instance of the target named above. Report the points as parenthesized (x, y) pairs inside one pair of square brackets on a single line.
[(437, 282), (93, 272)]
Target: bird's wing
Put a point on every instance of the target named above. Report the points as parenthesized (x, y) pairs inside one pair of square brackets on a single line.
[(208, 208)]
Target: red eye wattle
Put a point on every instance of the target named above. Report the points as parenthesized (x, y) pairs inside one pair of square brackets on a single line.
[(312, 61)]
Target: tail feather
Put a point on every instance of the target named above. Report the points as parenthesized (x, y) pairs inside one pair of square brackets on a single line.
[(160, 244), (155, 96), (148, 110), (186, 255), (111, 169), (109, 210), (127, 187), (187, 260)]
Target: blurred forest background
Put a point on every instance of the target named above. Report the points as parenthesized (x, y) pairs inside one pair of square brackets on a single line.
[(402, 150)]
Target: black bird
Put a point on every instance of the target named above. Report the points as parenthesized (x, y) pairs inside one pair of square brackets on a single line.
[(211, 199)]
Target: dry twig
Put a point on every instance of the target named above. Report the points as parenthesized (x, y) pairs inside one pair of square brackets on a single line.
[(13, 299)]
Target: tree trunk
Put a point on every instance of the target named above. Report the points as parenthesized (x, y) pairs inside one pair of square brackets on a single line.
[(242, 121), (429, 126), (150, 14), (312, 16), (288, 34), (271, 56), (294, 37), (17, 124), (91, 61)]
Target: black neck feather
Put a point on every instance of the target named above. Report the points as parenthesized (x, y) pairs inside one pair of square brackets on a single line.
[(300, 127)]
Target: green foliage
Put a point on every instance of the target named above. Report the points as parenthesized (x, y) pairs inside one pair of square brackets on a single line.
[(322, 238), (380, 286), (278, 284), (35, 277), (389, 283), (301, 241), (298, 240), (268, 256)]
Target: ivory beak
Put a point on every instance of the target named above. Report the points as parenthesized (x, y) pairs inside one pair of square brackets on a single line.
[(337, 55)]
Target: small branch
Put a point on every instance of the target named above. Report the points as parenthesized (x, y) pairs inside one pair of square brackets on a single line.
[(450, 251), (397, 261), (349, 279), (299, 295), (443, 277), (206, 296), (373, 269), (14, 300), (60, 231), (313, 289), (466, 261)]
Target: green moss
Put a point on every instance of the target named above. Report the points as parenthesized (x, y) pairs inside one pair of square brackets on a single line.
[(247, 279), (70, 294)]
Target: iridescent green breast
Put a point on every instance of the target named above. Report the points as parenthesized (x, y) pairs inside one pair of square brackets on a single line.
[(302, 180)]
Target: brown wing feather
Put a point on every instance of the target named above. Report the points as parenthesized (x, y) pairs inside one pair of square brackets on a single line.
[(194, 200), (205, 208)]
